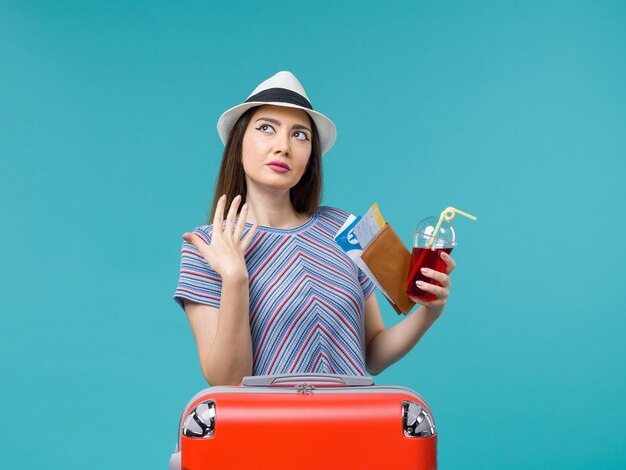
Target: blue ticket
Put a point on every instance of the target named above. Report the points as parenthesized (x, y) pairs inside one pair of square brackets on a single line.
[(347, 239)]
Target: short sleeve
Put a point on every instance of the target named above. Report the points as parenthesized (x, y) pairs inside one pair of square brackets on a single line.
[(197, 281), (366, 284)]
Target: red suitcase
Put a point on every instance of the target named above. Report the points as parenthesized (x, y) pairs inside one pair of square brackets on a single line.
[(310, 420)]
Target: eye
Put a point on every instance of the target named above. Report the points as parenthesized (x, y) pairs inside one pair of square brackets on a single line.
[(265, 128), (301, 135)]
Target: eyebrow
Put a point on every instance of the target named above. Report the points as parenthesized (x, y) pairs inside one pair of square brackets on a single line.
[(277, 122)]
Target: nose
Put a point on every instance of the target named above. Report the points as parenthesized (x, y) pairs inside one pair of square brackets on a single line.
[(281, 143)]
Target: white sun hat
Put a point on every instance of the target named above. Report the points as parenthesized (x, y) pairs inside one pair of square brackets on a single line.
[(282, 89)]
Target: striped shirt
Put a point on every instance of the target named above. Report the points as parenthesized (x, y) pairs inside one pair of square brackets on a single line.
[(306, 296)]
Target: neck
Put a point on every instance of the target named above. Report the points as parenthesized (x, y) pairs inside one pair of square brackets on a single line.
[(272, 208)]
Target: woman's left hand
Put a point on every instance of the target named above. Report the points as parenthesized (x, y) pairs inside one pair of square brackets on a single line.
[(442, 292)]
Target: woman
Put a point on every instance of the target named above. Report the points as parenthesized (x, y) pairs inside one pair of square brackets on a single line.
[(265, 287)]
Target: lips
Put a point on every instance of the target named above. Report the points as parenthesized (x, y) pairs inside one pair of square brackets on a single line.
[(276, 163)]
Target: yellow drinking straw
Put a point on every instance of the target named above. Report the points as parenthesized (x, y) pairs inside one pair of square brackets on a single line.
[(448, 213)]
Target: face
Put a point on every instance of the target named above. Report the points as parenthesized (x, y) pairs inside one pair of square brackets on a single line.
[(278, 135)]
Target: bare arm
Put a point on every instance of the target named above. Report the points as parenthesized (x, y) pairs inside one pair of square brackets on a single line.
[(385, 346), (389, 345), (223, 334)]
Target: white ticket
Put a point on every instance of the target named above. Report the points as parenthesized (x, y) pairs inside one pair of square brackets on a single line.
[(369, 226)]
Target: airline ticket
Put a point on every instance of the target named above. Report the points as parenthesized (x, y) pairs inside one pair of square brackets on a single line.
[(347, 239), (369, 226)]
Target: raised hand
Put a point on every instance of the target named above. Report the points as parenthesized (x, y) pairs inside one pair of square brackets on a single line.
[(225, 254)]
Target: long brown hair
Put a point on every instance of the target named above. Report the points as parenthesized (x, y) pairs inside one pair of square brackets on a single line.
[(305, 196)]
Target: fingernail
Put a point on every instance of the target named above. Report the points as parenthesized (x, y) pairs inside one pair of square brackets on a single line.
[(244, 207), (237, 197), (425, 270), (419, 283), (223, 197), (444, 254)]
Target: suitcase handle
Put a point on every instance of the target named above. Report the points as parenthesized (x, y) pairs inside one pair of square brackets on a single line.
[(268, 380)]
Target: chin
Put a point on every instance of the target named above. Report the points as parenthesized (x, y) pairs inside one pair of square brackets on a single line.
[(272, 183)]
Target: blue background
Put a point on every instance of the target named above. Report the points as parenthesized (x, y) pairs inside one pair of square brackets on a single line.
[(512, 111)]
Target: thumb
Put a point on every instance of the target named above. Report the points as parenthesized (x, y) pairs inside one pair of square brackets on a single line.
[(194, 239)]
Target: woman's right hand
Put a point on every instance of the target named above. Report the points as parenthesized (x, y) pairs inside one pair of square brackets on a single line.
[(226, 252)]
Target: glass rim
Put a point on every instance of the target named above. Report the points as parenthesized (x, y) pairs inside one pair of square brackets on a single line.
[(445, 240)]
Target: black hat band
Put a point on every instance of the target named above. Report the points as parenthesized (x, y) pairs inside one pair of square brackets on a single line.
[(281, 95)]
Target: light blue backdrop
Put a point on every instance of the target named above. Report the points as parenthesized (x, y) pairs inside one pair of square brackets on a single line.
[(513, 111)]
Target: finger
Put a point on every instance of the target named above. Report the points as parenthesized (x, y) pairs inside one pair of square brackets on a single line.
[(230, 218), (248, 238), (420, 301), (451, 264), (195, 240), (436, 275), (218, 218), (440, 292), (241, 222)]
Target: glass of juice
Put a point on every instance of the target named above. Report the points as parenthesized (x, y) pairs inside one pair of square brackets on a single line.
[(427, 248)]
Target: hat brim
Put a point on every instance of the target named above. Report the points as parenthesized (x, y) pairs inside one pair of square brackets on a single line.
[(325, 127)]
